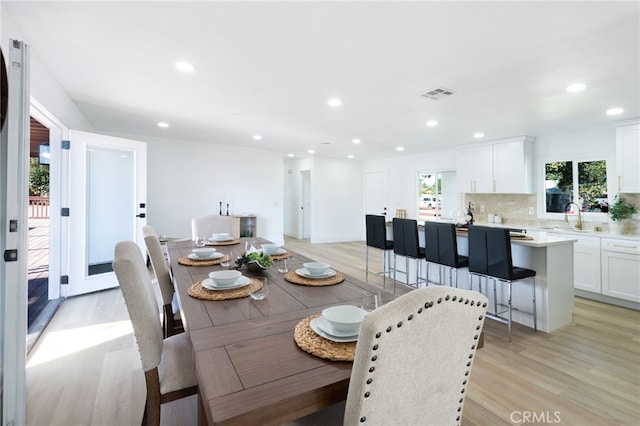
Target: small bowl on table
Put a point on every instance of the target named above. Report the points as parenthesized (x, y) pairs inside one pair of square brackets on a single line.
[(204, 251), (344, 318), (225, 278), (223, 236), (317, 268), (270, 248)]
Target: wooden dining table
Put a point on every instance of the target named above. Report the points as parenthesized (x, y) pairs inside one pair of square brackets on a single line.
[(250, 371)]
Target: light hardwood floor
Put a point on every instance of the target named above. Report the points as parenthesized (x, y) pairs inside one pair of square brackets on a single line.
[(85, 368)]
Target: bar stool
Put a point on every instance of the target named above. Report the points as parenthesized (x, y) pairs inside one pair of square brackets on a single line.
[(442, 249), (406, 243), (377, 238), (490, 257)]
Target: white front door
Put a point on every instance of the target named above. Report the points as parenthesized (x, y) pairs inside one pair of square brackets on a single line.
[(376, 193), (107, 204)]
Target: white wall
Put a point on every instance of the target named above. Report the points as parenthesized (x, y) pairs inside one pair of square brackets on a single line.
[(337, 200), (189, 179)]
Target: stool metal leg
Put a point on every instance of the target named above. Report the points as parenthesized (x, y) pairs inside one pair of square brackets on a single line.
[(509, 302), (535, 315)]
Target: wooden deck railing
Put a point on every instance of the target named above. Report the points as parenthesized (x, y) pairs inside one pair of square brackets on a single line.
[(38, 207)]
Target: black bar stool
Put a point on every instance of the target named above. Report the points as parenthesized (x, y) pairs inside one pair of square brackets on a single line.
[(406, 243), (377, 238), (490, 256), (442, 249)]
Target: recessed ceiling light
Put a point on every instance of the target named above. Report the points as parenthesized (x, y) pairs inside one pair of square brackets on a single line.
[(478, 135), (311, 151), (257, 137), (163, 124), (184, 66), (350, 156), (290, 155), (432, 123), (356, 141), (614, 111), (325, 143), (576, 87), (334, 102), (399, 148)]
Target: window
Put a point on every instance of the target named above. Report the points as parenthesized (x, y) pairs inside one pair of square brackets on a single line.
[(581, 182), (437, 195)]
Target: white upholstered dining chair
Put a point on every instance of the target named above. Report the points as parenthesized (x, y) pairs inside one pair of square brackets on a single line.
[(167, 363), (413, 361), (171, 319), (204, 226)]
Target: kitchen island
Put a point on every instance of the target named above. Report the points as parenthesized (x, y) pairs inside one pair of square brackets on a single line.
[(551, 256)]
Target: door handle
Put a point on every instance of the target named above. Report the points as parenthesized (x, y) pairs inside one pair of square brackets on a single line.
[(141, 215)]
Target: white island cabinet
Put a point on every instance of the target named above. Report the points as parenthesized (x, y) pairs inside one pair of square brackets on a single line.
[(552, 259)]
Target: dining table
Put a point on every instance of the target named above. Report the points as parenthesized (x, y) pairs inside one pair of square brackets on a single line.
[(249, 368)]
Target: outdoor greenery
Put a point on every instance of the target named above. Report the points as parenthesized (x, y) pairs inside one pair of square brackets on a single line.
[(38, 178), (621, 209), (591, 180)]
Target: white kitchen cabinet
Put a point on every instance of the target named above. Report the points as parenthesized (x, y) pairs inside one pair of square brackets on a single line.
[(586, 264), (475, 169), (621, 268), (504, 167), (628, 158)]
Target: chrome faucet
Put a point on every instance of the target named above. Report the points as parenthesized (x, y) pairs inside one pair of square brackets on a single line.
[(566, 219)]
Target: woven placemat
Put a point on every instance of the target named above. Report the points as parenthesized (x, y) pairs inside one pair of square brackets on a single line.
[(222, 243), (294, 278), (286, 255), (199, 292), (190, 262), (310, 342)]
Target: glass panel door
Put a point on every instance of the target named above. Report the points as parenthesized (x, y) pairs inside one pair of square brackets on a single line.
[(107, 205)]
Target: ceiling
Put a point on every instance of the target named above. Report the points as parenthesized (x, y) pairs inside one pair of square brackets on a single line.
[(268, 68)]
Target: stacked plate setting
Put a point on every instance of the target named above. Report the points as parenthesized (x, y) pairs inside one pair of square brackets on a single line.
[(221, 237), (205, 253), (225, 280), (316, 270), (339, 323)]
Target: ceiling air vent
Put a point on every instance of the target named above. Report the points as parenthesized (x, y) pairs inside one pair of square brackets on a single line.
[(437, 93)]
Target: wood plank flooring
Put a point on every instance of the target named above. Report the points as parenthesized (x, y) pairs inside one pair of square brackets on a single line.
[(85, 368)]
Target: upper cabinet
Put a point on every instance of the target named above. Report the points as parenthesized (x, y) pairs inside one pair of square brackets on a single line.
[(628, 158), (504, 167)]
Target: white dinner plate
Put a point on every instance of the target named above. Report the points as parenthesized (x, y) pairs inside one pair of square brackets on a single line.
[(215, 255), (303, 272), (240, 282), (220, 240), (322, 333), (279, 251), (326, 326)]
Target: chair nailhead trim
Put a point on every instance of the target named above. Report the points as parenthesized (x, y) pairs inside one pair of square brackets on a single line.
[(459, 409), (462, 391), (399, 324), (472, 303), (478, 328), (475, 337), (375, 347), (484, 305), (367, 394), (455, 298), (466, 373), (420, 310), (374, 358), (468, 364), (480, 318), (369, 381), (410, 317), (466, 302), (389, 329), (440, 300), (464, 382), (363, 419), (461, 400), (473, 347), (458, 418), (462, 300), (378, 334), (372, 369), (447, 297), (470, 356)]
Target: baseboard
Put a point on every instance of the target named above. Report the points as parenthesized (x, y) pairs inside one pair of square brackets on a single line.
[(607, 299)]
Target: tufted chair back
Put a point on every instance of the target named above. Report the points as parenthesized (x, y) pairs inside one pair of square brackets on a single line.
[(414, 357)]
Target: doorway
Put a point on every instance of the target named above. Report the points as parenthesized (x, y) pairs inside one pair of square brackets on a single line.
[(43, 296)]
